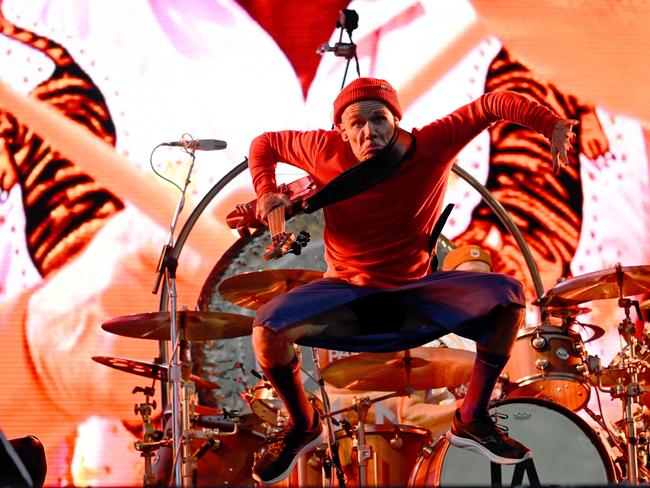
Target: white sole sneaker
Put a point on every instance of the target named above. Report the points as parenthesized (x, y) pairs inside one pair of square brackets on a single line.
[(474, 446)]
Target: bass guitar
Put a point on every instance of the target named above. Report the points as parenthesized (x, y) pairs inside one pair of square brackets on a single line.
[(243, 219)]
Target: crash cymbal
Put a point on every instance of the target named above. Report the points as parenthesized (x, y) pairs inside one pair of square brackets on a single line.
[(599, 285), (568, 312), (422, 368), (596, 331), (254, 289), (193, 326), (149, 370)]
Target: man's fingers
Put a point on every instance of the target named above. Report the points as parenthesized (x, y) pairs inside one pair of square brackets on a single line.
[(556, 166), (285, 200)]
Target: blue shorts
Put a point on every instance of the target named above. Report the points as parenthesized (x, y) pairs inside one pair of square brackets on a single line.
[(463, 302)]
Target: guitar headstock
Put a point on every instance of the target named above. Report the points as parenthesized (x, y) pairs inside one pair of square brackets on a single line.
[(285, 243)]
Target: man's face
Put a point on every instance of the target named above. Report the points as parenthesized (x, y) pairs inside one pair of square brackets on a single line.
[(367, 125)]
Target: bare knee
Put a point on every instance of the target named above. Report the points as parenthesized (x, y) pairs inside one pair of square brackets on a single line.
[(271, 348)]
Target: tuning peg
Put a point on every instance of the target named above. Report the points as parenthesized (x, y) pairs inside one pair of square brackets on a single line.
[(303, 238), (296, 248)]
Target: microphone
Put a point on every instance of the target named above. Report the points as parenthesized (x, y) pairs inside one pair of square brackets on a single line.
[(199, 144)]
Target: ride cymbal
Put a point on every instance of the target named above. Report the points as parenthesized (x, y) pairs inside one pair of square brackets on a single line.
[(422, 368), (193, 326), (253, 289), (149, 370), (599, 285)]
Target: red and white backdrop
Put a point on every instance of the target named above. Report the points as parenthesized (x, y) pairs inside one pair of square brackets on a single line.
[(88, 89)]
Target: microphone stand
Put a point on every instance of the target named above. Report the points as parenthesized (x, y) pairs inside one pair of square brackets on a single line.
[(167, 265)]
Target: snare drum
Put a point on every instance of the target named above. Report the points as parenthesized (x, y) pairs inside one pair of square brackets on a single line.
[(228, 462), (566, 451), (264, 402), (267, 405), (545, 363)]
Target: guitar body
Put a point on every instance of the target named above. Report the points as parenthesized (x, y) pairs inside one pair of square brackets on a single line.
[(243, 218)]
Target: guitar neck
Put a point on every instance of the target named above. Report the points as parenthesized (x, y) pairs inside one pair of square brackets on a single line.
[(276, 220)]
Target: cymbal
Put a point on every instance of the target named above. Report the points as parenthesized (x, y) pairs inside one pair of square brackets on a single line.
[(193, 326), (599, 285), (568, 312), (430, 367), (149, 370), (645, 305), (254, 289), (596, 331)]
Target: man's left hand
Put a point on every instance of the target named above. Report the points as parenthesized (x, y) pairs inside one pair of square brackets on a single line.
[(562, 139)]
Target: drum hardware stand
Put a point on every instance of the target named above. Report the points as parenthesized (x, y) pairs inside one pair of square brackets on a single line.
[(348, 20), (167, 265), (332, 458), (364, 451), (151, 441), (629, 392)]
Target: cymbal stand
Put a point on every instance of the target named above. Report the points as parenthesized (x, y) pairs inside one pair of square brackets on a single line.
[(167, 265), (364, 451), (362, 405), (149, 444), (332, 458), (631, 391)]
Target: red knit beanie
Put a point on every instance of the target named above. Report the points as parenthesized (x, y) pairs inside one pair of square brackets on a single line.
[(367, 89)]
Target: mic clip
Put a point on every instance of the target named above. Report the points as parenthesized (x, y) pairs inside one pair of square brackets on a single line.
[(347, 50)]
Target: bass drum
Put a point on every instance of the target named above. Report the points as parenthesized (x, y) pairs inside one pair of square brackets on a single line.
[(566, 451)]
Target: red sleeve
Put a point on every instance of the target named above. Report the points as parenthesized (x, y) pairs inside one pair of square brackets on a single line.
[(453, 132), (296, 148)]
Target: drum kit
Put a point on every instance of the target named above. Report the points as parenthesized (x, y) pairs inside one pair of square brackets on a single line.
[(545, 390)]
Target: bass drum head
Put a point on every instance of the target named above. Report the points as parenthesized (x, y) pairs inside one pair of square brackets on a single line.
[(566, 451), (229, 362)]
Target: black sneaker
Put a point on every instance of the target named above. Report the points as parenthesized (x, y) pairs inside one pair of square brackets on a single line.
[(283, 450), (484, 437)]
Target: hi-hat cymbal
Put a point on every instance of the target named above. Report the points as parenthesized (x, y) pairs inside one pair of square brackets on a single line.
[(609, 283), (149, 370), (193, 326), (254, 289), (422, 368)]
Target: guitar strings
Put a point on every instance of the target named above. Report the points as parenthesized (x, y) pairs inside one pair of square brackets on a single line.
[(276, 223)]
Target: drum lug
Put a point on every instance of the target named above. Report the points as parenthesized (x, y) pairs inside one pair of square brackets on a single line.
[(396, 442), (542, 363), (579, 348), (538, 342)]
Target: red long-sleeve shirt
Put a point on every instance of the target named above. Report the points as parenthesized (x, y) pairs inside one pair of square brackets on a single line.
[(380, 237)]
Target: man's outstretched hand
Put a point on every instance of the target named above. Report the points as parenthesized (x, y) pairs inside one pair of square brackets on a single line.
[(562, 139)]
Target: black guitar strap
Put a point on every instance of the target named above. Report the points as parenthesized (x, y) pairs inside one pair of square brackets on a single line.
[(365, 174), (435, 233)]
